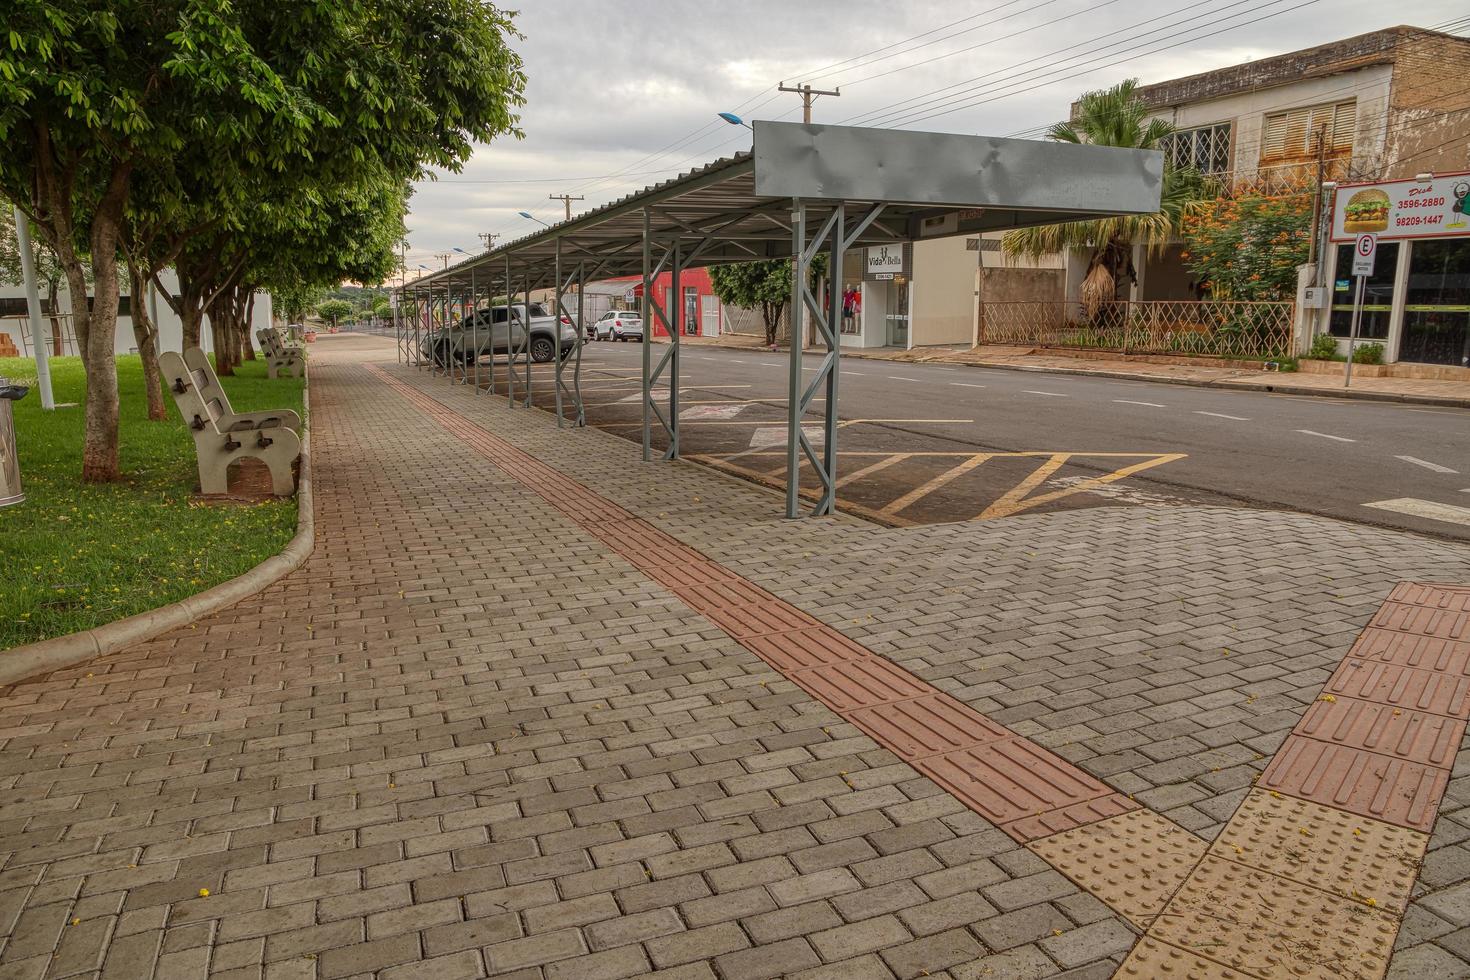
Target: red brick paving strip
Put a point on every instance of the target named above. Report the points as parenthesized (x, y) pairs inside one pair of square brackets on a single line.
[(1026, 790), (1381, 739)]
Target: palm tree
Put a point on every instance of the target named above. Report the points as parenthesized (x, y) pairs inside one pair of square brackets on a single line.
[(1114, 117)]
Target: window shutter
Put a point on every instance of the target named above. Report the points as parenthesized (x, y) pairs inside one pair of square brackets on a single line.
[(1344, 122), (1273, 140)]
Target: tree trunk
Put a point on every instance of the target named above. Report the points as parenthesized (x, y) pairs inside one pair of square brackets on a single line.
[(192, 316), (100, 445), (58, 343), (222, 333), (145, 334), (245, 331)]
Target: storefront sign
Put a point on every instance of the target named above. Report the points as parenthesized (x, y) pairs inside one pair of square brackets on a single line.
[(888, 259), (1435, 208)]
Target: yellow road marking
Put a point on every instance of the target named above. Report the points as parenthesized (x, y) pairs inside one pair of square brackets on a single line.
[(767, 424), (924, 489), (1012, 503), (870, 469), (1008, 502)]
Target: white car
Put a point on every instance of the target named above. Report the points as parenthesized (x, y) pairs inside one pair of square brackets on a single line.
[(618, 325)]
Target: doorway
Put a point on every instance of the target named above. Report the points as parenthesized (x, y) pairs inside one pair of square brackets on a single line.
[(896, 312), (1437, 303)]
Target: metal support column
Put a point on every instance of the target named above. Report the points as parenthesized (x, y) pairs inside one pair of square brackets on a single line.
[(475, 328), (526, 330), (510, 336), (575, 393), (835, 238), (652, 315), (418, 323)]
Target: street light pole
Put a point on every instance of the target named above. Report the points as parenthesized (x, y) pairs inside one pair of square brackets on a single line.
[(33, 308)]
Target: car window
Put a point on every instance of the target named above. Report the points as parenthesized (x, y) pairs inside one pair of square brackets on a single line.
[(606, 316)]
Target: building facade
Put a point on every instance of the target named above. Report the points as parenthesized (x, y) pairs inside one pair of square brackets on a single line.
[(1383, 106)]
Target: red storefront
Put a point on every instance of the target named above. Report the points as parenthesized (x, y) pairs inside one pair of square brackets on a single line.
[(699, 311)]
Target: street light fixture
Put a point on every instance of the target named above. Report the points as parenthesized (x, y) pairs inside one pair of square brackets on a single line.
[(531, 217), (733, 119)]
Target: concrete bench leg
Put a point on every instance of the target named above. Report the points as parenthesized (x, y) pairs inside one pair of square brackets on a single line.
[(215, 460)]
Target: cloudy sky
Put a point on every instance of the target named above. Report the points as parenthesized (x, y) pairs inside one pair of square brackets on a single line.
[(622, 93)]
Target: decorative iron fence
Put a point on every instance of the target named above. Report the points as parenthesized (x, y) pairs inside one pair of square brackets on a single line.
[(56, 327), (1218, 329)]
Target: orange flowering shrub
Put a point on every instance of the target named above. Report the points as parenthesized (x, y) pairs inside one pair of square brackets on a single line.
[(1248, 247)]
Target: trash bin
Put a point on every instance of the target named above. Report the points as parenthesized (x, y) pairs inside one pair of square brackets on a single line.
[(10, 492)]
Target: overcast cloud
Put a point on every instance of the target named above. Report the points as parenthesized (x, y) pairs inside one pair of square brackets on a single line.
[(622, 93)]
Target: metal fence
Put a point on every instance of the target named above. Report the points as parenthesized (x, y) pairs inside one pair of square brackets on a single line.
[(61, 340), (1249, 330)]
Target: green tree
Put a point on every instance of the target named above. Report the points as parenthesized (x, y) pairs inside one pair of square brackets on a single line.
[(334, 310), (212, 111), (765, 284), (1114, 117)]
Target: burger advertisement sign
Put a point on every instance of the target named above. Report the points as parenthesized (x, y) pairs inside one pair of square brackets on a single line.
[(1433, 208)]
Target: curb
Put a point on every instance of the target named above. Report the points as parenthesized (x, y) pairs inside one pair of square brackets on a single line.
[(1230, 384), (19, 663)]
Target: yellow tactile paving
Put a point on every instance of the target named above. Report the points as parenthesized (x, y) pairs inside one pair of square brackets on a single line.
[(1150, 959), (1270, 926), (1132, 862), (1353, 856)]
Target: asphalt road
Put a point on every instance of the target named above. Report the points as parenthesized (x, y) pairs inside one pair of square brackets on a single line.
[(1320, 455)]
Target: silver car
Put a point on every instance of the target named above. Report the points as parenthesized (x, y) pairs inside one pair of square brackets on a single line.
[(495, 332)]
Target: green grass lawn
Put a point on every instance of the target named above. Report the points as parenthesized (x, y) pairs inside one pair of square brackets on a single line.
[(77, 555)]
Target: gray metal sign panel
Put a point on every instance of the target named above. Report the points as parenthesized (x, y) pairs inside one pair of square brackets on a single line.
[(849, 163)]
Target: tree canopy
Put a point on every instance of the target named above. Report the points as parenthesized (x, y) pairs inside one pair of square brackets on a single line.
[(178, 130), (765, 284)]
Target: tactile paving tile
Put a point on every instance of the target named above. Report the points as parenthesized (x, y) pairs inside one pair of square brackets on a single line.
[(1011, 779), (1408, 650), (1388, 789), (762, 620), (1273, 927), (1449, 623), (1069, 817), (1440, 596), (801, 649), (927, 725), (1350, 855), (853, 684), (1403, 733), (1133, 862), (1402, 687), (694, 573), (723, 594), (1150, 959)]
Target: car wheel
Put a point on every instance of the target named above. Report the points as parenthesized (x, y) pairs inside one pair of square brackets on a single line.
[(542, 350), (441, 354)]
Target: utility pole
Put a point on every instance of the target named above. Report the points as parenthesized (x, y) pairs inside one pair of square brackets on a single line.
[(488, 237), (1317, 200), (443, 257), (808, 96), (566, 200)]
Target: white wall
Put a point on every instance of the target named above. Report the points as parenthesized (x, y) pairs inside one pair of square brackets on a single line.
[(170, 327)]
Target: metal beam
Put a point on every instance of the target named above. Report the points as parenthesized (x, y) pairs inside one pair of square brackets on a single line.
[(800, 397)]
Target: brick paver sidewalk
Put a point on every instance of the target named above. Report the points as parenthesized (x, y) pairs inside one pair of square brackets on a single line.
[(483, 732)]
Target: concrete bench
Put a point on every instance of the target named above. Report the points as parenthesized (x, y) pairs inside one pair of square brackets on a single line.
[(279, 355), (222, 435)]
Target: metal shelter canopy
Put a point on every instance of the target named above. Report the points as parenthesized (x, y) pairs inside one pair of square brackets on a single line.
[(802, 190)]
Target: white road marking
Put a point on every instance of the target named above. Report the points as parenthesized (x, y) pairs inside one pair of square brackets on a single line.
[(856, 374), (711, 411), (765, 437), (895, 377), (1426, 464), (1323, 435), (1428, 509), (1049, 394), (1233, 418), (965, 384), (736, 360), (1124, 401)]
